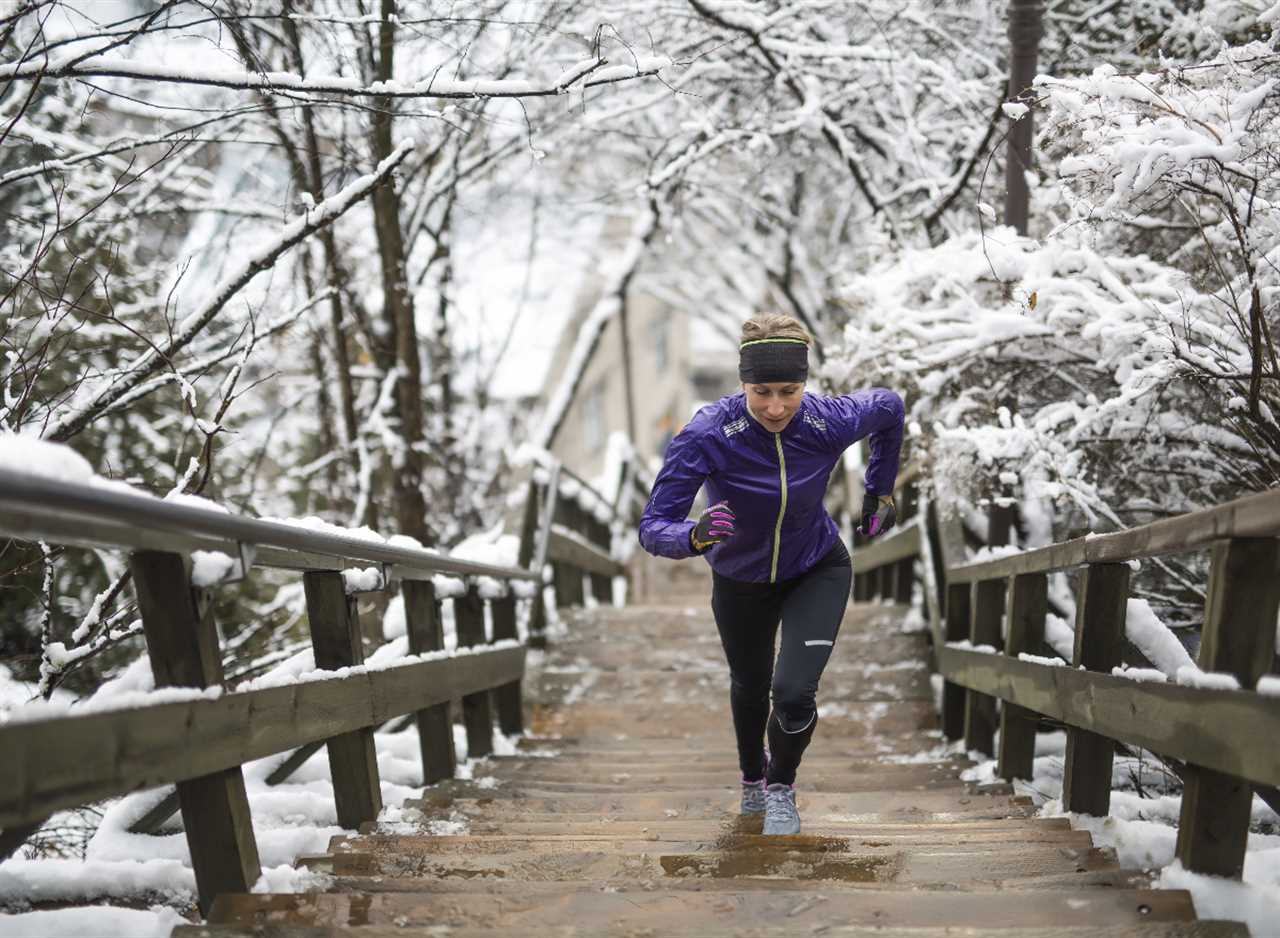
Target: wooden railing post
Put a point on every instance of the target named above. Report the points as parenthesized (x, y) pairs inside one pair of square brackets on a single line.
[(953, 695), (477, 715), (1027, 606), (984, 629), (568, 580), (1238, 637), (904, 580), (1101, 602), (182, 642), (508, 696), (335, 637), (426, 633)]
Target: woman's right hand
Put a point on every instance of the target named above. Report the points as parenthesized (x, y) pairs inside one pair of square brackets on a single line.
[(714, 526)]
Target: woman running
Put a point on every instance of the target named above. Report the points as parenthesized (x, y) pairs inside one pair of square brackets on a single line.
[(765, 456)]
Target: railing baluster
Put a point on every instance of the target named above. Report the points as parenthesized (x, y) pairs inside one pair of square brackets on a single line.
[(953, 695), (335, 637), (182, 642), (426, 633), (477, 715), (1027, 607), (984, 629), (904, 580), (507, 698), (1101, 601), (1239, 638), (602, 588)]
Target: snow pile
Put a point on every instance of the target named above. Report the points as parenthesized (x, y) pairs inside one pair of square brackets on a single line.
[(1142, 829)]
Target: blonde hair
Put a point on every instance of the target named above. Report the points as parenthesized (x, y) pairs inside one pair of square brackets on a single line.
[(773, 326)]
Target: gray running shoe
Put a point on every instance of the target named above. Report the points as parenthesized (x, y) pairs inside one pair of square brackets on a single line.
[(753, 792), (780, 814)]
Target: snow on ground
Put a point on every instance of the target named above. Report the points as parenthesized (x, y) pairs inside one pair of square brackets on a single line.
[(295, 818), (1142, 829)]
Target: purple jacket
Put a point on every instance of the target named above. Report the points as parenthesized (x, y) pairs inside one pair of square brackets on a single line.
[(774, 482)]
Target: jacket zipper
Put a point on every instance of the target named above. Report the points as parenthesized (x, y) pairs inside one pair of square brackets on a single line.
[(782, 509)]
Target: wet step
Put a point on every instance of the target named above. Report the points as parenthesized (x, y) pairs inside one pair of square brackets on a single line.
[(670, 722), (664, 911), (818, 775), (945, 833), (1203, 929), (1101, 878), (815, 807), (829, 860)]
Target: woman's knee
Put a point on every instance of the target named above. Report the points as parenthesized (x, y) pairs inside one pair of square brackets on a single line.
[(796, 700)]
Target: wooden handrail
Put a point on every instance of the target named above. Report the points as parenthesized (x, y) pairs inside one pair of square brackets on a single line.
[(74, 759), (1255, 515), (1002, 603), (33, 508), (200, 744)]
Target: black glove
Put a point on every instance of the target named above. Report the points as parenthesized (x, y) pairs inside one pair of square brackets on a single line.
[(714, 525), (879, 514)]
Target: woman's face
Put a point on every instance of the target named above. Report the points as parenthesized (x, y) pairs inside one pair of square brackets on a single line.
[(774, 404)]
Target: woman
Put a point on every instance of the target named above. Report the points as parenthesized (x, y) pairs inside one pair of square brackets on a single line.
[(765, 456)]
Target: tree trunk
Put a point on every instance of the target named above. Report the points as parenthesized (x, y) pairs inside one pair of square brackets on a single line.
[(410, 506), (1025, 29)]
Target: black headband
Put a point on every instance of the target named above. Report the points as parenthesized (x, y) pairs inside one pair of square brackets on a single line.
[(762, 361)]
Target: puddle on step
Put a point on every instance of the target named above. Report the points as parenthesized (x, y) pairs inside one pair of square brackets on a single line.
[(782, 864)]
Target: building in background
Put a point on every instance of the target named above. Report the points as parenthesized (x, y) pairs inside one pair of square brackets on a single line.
[(679, 362)]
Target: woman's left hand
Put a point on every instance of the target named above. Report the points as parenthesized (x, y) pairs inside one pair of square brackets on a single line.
[(879, 514)]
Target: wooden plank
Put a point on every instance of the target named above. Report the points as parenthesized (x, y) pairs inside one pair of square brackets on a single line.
[(601, 588), (1218, 729), (899, 545), (563, 547), (426, 633), (1255, 515), (105, 754), (1027, 608), (953, 695), (568, 584), (903, 580), (984, 629), (182, 643), (1102, 597), (336, 639), (1238, 638), (507, 698), (477, 714)]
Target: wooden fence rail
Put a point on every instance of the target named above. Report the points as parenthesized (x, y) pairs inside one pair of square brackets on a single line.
[(55, 760), (987, 621)]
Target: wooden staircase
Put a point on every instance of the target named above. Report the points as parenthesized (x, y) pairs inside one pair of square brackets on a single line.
[(620, 817)]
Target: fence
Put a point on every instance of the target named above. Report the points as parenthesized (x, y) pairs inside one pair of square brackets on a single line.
[(987, 623), (201, 735)]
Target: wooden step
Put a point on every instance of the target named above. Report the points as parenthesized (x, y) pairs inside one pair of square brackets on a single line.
[(1029, 830), (654, 863), (815, 807), (1203, 929), (1100, 878), (680, 911)]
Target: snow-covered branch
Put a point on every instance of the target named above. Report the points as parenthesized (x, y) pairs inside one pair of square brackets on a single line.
[(587, 74), (262, 258)]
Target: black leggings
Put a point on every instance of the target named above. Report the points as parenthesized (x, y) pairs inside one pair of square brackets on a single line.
[(810, 608)]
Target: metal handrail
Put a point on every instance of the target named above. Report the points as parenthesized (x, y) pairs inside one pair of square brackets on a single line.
[(33, 508)]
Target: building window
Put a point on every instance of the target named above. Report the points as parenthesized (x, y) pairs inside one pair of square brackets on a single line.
[(662, 343), (593, 417)]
